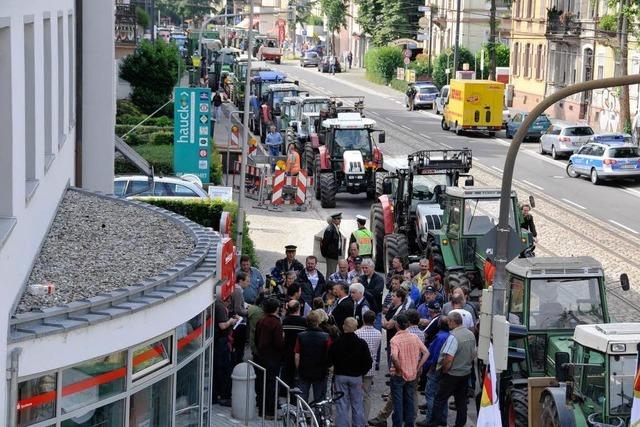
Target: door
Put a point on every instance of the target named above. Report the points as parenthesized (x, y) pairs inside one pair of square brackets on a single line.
[(594, 158), (579, 160)]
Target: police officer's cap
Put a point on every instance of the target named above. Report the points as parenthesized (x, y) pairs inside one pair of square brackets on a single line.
[(361, 218), (337, 215), (290, 248)]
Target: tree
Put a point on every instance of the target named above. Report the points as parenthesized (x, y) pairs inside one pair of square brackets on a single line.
[(142, 17), (399, 19), (369, 12), (301, 16), (152, 71), (445, 60), (501, 53), (628, 18), (336, 13), (179, 10)]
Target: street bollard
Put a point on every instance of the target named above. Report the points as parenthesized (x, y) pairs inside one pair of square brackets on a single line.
[(243, 392)]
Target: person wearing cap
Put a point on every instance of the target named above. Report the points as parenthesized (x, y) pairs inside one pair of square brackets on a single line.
[(435, 313), (289, 262), (331, 244), (357, 271), (363, 237)]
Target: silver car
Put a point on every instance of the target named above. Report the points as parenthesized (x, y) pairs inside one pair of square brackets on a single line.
[(442, 99), (564, 139), (139, 187), (310, 58)]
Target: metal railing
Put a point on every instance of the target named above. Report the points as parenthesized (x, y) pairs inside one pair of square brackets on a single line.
[(264, 390), (302, 407)]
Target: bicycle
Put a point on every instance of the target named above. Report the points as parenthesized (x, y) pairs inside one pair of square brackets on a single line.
[(303, 414)]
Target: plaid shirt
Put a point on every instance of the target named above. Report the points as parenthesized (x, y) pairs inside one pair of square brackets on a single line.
[(417, 332), (372, 337), (406, 348)]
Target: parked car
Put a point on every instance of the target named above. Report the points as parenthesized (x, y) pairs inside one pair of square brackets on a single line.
[(310, 58), (534, 132), (426, 94), (609, 160), (441, 100), (324, 64), (564, 139), (161, 186)]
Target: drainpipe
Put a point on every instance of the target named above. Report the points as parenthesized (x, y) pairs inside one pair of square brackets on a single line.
[(78, 91), (12, 380)]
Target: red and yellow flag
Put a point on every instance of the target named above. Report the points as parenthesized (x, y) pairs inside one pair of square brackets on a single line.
[(489, 414)]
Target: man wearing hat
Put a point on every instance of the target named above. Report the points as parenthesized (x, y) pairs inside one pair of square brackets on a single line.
[(289, 262), (331, 245), (357, 269), (363, 237)]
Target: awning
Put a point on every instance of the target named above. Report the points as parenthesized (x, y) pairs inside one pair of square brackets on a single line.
[(244, 24)]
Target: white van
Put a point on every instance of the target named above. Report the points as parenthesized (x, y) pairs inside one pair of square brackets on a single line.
[(441, 100)]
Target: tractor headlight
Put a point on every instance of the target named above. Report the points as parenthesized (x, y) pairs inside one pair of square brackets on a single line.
[(618, 348)]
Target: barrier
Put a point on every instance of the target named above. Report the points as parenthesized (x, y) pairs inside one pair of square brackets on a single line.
[(254, 180), (296, 186)]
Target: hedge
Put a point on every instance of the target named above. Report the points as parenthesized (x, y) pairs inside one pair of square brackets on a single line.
[(400, 85), (381, 63), (161, 157), (207, 213), (162, 137)]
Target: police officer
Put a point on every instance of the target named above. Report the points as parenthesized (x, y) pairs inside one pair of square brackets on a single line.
[(411, 95), (331, 244), (289, 262), (363, 237)]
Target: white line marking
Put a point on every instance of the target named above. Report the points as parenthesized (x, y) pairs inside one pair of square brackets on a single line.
[(533, 185), (574, 204), (623, 226), (631, 191), (425, 136), (558, 177), (497, 168), (406, 127), (390, 120)]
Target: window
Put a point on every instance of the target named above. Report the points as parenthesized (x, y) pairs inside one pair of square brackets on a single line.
[(161, 189), (529, 8), (182, 191), (352, 139), (30, 108), (92, 381), (111, 415), (585, 150), (621, 380), (48, 91), (138, 188), (539, 62), (118, 187), (152, 405), (206, 386), (516, 56), (188, 395), (578, 131), (61, 106), (516, 301), (150, 357), (624, 152), (208, 322), (481, 215), (597, 151), (527, 54), (189, 336), (36, 400)]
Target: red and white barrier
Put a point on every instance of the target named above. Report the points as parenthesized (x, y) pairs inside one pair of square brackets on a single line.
[(281, 180)]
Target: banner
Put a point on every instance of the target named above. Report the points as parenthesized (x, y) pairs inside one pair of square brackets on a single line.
[(489, 414), (191, 132)]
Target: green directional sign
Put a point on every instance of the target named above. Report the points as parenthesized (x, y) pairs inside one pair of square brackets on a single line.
[(191, 130)]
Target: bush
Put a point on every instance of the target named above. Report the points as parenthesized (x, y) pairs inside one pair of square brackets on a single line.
[(608, 23), (400, 85), (381, 63), (126, 107), (162, 137), (443, 62), (162, 121), (315, 20), (207, 213), (421, 68), (135, 138)]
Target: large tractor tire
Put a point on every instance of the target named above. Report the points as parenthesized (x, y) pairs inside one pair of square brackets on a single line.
[(549, 416), (316, 179), (380, 176), (377, 228), (328, 189), (516, 403), (456, 278), (395, 245), (309, 157)]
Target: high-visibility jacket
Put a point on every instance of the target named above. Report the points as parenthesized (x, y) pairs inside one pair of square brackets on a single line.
[(364, 238)]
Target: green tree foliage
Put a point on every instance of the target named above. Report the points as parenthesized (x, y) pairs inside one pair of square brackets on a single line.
[(336, 13), (502, 58), (381, 63), (314, 20), (152, 71), (399, 20), (369, 12), (142, 17), (179, 10), (608, 23), (443, 62)]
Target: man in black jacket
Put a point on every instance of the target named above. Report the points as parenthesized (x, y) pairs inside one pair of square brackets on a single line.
[(311, 281), (527, 222), (292, 324), (351, 360), (289, 262), (312, 358), (331, 245), (344, 306)]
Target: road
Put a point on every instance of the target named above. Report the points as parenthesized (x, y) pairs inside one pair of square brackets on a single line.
[(574, 217)]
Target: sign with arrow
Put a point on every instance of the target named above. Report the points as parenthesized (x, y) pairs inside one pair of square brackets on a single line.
[(192, 132)]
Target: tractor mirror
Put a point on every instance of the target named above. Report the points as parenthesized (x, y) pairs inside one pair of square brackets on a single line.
[(381, 138), (468, 182), (624, 281), (532, 202), (387, 186), (562, 368)]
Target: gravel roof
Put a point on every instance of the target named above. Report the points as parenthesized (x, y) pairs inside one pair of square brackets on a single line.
[(97, 245)]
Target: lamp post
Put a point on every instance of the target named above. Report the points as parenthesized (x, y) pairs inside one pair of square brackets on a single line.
[(229, 130)]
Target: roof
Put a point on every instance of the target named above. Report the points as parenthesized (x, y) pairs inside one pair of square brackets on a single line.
[(555, 267), (316, 98), (601, 336), (613, 138), (283, 86), (271, 75), (476, 193), (349, 120)]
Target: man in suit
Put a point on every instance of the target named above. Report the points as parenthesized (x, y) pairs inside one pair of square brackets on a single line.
[(331, 245), (344, 306), (311, 281), (289, 262)]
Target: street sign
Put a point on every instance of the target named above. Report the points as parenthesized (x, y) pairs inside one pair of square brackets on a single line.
[(407, 53), (407, 60), (423, 22), (191, 132), (423, 37)]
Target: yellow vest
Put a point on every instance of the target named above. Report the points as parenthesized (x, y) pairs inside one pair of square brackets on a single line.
[(364, 238)]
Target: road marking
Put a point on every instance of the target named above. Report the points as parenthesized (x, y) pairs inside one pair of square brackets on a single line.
[(631, 191), (406, 127), (574, 204), (497, 168), (533, 185), (558, 177), (425, 136), (623, 226), (390, 120)]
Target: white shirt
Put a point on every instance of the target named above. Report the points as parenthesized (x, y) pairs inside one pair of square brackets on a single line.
[(313, 278), (467, 319)]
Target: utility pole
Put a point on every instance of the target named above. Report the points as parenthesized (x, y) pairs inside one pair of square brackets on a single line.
[(492, 40), (625, 108), (245, 135), (457, 43), (432, 10)]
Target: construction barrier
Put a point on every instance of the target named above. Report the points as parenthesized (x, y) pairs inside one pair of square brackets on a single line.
[(294, 186), (255, 180)]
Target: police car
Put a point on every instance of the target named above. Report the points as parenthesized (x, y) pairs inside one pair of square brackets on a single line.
[(606, 157)]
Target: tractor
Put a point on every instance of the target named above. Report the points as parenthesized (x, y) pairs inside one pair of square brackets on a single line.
[(240, 75), (270, 109), (260, 83), (409, 206), (349, 160), (547, 298)]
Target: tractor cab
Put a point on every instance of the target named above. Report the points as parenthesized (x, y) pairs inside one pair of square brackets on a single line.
[(271, 107), (290, 109), (348, 132)]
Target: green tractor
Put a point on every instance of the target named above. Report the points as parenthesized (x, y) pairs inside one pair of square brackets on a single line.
[(547, 298)]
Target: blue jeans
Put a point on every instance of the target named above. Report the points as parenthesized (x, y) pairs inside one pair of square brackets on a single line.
[(274, 150), (403, 410), (319, 389), (353, 399), (430, 390)]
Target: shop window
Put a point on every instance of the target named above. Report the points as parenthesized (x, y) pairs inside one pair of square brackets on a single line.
[(208, 322), (206, 386), (36, 400), (152, 406), (111, 415), (189, 336), (150, 357), (92, 381), (188, 395)]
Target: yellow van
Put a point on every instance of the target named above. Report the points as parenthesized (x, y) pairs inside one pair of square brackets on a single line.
[(474, 105)]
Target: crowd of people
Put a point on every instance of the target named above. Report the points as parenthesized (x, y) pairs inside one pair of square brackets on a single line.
[(321, 332)]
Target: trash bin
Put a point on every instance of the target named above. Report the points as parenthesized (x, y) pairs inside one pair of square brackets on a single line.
[(243, 401)]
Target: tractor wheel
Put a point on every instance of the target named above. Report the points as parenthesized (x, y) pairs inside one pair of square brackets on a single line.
[(517, 402), (395, 245), (377, 227), (549, 416), (456, 278), (328, 189), (309, 156), (316, 173), (380, 176)]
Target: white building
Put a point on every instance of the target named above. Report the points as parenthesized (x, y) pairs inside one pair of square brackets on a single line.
[(76, 361)]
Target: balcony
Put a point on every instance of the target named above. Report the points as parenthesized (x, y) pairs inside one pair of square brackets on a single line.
[(126, 25), (561, 25)]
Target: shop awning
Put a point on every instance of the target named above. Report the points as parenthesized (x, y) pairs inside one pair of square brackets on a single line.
[(244, 24)]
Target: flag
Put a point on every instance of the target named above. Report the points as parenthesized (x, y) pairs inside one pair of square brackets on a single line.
[(489, 415), (634, 420)]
